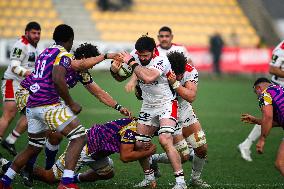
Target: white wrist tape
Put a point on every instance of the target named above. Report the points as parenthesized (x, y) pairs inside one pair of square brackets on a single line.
[(176, 84), (17, 68)]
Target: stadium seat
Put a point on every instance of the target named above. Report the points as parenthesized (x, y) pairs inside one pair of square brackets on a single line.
[(192, 21), (15, 14)]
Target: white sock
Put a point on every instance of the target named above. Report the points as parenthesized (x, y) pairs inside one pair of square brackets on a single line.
[(12, 138), (149, 174), (197, 166), (68, 173), (161, 158), (179, 177), (253, 135), (10, 173)]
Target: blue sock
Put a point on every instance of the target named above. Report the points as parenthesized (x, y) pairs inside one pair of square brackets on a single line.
[(49, 158), (31, 161), (6, 180), (67, 180)]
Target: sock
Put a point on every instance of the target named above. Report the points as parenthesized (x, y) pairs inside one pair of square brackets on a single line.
[(50, 155), (8, 177), (68, 177), (12, 138), (197, 166), (253, 135), (77, 178), (161, 158), (179, 176), (149, 174)]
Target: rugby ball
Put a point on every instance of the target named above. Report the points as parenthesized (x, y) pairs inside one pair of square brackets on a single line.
[(125, 70)]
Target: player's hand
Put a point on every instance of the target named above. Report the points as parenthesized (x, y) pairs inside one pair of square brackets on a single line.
[(125, 111), (171, 77), (260, 145), (115, 66), (115, 56), (247, 118), (75, 107), (126, 57), (130, 86)]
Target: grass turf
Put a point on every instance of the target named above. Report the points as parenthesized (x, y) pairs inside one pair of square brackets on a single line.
[(219, 104)]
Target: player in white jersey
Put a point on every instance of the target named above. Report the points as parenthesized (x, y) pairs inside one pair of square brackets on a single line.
[(184, 80), (159, 107), (276, 69), (22, 56), (165, 38)]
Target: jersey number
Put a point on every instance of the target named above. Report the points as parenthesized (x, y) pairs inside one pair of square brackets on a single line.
[(40, 69)]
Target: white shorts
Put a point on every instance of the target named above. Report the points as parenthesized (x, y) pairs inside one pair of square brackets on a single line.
[(186, 117), (8, 89), (22, 96), (102, 166), (151, 115), (53, 117)]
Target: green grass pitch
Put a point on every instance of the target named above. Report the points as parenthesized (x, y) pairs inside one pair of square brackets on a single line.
[(219, 105)]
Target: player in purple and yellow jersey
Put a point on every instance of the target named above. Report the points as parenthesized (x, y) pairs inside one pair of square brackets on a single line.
[(45, 111), (116, 136), (271, 98), (52, 145)]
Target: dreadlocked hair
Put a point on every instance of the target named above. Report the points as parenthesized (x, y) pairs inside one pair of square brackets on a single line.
[(86, 50), (177, 61)]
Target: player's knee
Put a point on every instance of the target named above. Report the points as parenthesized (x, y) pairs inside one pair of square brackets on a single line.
[(55, 138), (279, 163), (198, 141), (201, 151), (49, 177), (165, 135), (183, 150)]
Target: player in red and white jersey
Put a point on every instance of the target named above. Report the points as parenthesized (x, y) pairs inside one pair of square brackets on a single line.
[(184, 80), (165, 37), (276, 69), (23, 56), (159, 107)]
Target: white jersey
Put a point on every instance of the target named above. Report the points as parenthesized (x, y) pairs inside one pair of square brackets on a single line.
[(175, 47), (191, 75), (24, 52), (278, 61), (158, 92)]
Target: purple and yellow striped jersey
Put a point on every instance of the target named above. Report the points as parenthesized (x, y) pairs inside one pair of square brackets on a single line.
[(42, 90), (105, 139), (274, 95)]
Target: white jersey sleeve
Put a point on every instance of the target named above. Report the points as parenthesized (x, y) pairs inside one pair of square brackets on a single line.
[(19, 51), (26, 54), (190, 74), (277, 60)]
